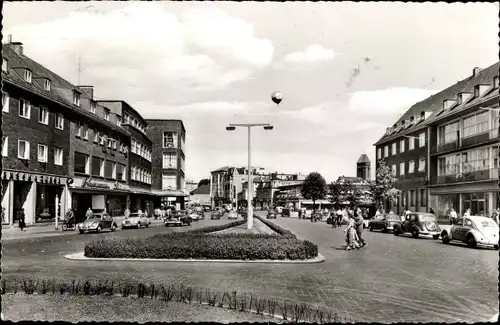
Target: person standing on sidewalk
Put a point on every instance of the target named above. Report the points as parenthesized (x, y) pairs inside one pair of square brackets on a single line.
[(22, 219), (89, 214), (453, 217)]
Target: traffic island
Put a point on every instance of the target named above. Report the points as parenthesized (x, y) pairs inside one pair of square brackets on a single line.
[(217, 244)]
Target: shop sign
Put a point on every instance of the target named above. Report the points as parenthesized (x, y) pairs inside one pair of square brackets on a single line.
[(121, 187), (88, 182)]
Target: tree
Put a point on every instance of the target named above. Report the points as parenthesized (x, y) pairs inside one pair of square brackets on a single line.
[(314, 188), (383, 187), (204, 181)]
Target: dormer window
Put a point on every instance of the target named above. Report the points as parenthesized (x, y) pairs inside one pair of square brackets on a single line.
[(448, 103), (76, 98), (479, 90), (463, 98), (46, 84), (28, 75), (495, 82), (106, 114), (92, 107), (4, 64)]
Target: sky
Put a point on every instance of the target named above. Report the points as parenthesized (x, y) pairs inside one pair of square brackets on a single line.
[(346, 70)]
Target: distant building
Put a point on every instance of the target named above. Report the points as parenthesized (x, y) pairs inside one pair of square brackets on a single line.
[(266, 187), (200, 195), (363, 167), (226, 182), (191, 186)]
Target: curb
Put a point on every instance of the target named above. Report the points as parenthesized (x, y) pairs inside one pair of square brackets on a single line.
[(81, 257)]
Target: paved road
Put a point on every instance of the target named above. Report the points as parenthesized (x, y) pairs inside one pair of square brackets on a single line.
[(392, 279)]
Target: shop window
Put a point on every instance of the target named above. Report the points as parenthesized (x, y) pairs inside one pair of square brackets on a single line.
[(58, 156), (81, 163), (5, 102), (23, 149), (42, 153)]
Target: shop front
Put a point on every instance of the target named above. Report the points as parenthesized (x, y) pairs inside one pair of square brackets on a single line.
[(143, 200)]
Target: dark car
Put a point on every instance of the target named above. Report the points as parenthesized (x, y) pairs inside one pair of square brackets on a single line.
[(418, 223), (384, 222), (97, 223), (271, 214), (178, 219), (215, 215)]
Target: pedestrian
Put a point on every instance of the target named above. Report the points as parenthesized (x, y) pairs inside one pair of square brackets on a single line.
[(453, 217), (359, 227), (467, 213), (70, 218), (496, 215), (22, 219), (89, 214), (351, 234)]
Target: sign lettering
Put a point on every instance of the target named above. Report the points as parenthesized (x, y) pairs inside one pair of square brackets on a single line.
[(90, 183)]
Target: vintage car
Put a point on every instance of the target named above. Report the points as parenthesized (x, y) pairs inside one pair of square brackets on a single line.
[(97, 223), (215, 215), (136, 220), (473, 230), (384, 222), (194, 215), (179, 219), (232, 215), (418, 223), (271, 214)]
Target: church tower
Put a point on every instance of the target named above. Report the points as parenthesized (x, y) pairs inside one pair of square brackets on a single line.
[(363, 167)]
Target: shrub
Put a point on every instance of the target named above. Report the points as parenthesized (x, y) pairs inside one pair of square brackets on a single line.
[(276, 228)]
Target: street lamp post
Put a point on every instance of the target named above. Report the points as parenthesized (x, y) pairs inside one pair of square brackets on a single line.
[(249, 126)]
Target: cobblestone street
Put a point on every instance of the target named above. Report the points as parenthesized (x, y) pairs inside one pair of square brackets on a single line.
[(392, 279)]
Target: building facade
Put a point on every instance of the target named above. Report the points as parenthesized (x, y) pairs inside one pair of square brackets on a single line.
[(266, 187), (200, 195), (444, 150), (168, 161), (363, 167)]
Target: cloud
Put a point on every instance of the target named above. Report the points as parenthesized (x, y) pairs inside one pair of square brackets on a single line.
[(150, 49), (313, 53)]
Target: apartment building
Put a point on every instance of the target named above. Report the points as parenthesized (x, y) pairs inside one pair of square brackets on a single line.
[(444, 149)]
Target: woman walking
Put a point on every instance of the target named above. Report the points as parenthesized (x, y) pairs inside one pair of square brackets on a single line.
[(351, 235)]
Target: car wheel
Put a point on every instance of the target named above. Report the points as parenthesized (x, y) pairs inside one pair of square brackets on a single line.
[(415, 233), (82, 232), (435, 237), (396, 231), (471, 241), (113, 227), (99, 229), (445, 238), (384, 229)]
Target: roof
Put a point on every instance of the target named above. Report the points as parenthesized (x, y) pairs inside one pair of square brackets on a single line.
[(363, 159), (204, 189), (221, 169), (350, 179), (125, 103), (434, 103)]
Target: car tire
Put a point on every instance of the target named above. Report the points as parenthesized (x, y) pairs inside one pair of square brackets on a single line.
[(384, 230), (436, 237), (471, 241), (99, 229), (445, 238), (415, 233), (81, 232)]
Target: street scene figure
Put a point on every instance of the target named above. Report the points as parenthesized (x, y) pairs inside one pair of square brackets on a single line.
[(454, 216), (352, 238), (89, 214)]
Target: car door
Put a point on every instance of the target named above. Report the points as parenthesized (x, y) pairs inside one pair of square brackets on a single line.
[(459, 231), (106, 220)]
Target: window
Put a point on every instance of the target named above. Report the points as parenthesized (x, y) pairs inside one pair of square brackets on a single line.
[(423, 198), (82, 163), (402, 146), (108, 171), (92, 107), (23, 149), (412, 198), (59, 121), (58, 156), (76, 99), (4, 64), (28, 75), (421, 165), (169, 139), (411, 167), (96, 166), (43, 115), (119, 172), (448, 133), (393, 149), (421, 140), (24, 109), (133, 146), (476, 124), (475, 160), (79, 129), (132, 173), (169, 160), (42, 153), (495, 81), (394, 171), (5, 146), (5, 102), (402, 168), (106, 114), (386, 151), (114, 171), (46, 84), (169, 182), (118, 120), (411, 143)]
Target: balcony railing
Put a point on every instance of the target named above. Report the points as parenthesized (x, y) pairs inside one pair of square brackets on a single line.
[(465, 141), (479, 175)]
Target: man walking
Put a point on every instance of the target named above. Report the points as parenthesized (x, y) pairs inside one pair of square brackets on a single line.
[(359, 227)]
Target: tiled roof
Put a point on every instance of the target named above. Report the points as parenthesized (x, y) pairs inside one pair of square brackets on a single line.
[(434, 103), (363, 159), (204, 189), (350, 179)]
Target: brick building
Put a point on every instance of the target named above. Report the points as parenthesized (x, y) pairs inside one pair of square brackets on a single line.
[(168, 161), (444, 149)]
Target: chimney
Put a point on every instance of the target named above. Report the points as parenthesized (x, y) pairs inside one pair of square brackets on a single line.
[(17, 47), (87, 90), (475, 71)]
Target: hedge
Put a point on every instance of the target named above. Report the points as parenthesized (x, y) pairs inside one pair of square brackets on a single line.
[(200, 244)]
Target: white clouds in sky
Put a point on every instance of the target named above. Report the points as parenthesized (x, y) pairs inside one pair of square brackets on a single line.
[(313, 53)]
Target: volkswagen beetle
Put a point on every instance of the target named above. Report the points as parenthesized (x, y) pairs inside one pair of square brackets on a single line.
[(97, 223), (136, 220), (473, 230)]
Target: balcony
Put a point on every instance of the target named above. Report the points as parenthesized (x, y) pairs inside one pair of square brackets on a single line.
[(474, 176), (467, 141)]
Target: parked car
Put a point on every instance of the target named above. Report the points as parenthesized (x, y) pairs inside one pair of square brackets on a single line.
[(179, 219), (194, 215), (97, 223), (215, 215), (136, 220), (232, 215), (207, 209), (473, 230), (418, 223), (384, 222), (271, 214)]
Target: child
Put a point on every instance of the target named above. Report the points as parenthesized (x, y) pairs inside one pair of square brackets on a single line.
[(351, 235)]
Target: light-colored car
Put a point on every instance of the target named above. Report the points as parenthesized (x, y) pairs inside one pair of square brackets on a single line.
[(232, 215), (473, 230), (194, 215), (136, 220), (97, 223)]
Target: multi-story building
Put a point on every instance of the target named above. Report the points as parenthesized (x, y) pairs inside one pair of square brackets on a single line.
[(168, 160), (266, 187), (139, 157), (444, 149)]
